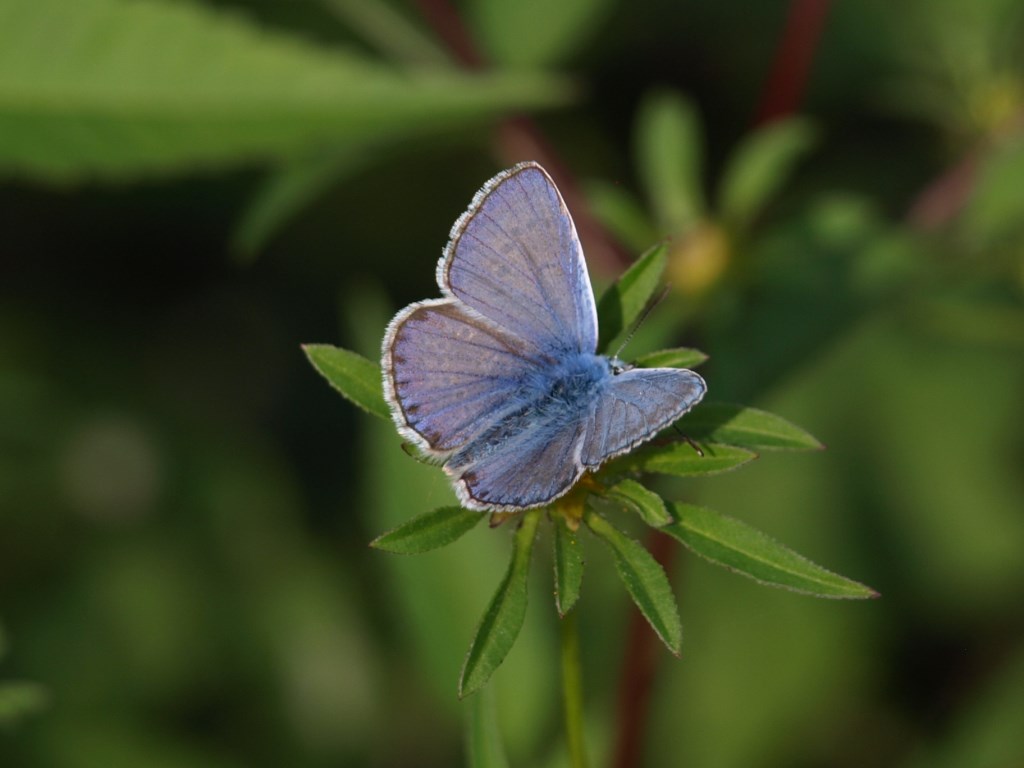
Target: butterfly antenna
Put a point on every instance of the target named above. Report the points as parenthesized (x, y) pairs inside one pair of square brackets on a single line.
[(689, 441), (643, 316)]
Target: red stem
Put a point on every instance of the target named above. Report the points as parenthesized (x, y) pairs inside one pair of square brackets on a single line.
[(784, 90)]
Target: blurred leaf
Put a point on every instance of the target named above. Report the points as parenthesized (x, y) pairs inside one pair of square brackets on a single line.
[(389, 31), (428, 531), (621, 213), (115, 88), (501, 623), (568, 566), (625, 300), (355, 377), (747, 428), (996, 206), (678, 357), (484, 748), (759, 167), (287, 190), (18, 699), (534, 33), (639, 499), (745, 550), (645, 580), (670, 158), (681, 460)]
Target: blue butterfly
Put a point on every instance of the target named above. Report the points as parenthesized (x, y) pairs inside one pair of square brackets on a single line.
[(500, 379)]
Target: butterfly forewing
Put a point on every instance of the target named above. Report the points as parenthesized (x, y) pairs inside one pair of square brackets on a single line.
[(515, 258), (448, 373)]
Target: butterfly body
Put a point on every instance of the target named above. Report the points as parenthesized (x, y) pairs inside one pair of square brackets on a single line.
[(500, 379)]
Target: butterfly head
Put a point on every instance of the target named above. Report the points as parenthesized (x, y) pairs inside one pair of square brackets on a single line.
[(617, 366)]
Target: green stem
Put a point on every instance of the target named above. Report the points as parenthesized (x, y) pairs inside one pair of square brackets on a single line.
[(572, 691)]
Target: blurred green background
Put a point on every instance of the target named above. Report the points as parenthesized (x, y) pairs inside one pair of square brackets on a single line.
[(189, 190)]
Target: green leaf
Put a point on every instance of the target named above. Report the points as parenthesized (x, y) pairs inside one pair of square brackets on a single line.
[(995, 209), (18, 699), (428, 531), (670, 158), (678, 357), (759, 167), (355, 377), (504, 616), (119, 88), (389, 31), (638, 498), (534, 33), (621, 213), (748, 428), (679, 459), (289, 189), (568, 567), (484, 748), (645, 581), (735, 545), (627, 297)]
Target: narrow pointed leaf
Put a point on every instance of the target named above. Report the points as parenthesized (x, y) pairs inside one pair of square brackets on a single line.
[(568, 567), (504, 616), (484, 748), (670, 158), (747, 427), (355, 377), (677, 357), (645, 580), (679, 459), (760, 166), (429, 531), (289, 189), (533, 34), (389, 31), (639, 499), (745, 550), (621, 213), (625, 300)]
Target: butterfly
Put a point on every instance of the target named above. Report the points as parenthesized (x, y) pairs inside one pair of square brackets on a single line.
[(500, 379)]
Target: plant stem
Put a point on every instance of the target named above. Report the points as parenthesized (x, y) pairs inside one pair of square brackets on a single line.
[(784, 90), (572, 691)]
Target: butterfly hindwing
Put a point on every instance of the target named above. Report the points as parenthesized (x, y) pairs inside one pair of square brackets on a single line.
[(532, 467), (634, 406)]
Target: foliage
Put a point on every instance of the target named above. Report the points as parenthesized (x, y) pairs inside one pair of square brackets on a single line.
[(191, 188)]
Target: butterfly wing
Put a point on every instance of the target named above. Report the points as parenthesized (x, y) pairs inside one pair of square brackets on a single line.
[(449, 373), (634, 406), (515, 258), (530, 468)]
